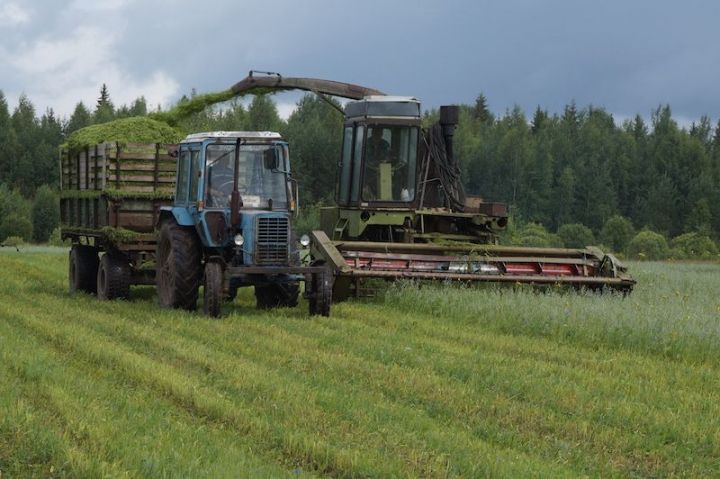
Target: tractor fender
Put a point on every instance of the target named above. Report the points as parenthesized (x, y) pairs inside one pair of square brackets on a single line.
[(180, 215)]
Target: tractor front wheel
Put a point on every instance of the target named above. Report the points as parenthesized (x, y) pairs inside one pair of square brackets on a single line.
[(113, 277), (83, 268), (179, 268), (213, 290), (321, 295)]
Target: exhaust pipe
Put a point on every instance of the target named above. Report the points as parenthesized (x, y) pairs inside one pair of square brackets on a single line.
[(449, 118)]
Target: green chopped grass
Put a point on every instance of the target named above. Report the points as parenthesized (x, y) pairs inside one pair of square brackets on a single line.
[(431, 381), (125, 130), (196, 104)]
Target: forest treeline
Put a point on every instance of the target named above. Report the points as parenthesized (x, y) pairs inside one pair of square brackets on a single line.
[(648, 188)]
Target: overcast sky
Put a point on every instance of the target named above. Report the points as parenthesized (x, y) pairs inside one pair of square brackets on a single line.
[(628, 56)]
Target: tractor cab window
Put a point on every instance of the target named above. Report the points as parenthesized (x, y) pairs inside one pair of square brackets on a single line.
[(390, 159), (181, 195), (257, 183), (195, 173)]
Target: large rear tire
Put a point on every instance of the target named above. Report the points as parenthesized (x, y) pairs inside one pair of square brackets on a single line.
[(113, 277), (278, 295), (321, 296), (83, 268), (213, 290), (179, 267)]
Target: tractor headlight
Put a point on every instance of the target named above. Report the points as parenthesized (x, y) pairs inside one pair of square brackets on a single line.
[(305, 240), (239, 240)]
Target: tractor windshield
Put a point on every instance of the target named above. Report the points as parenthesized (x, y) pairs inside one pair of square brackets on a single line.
[(256, 183), (390, 159)]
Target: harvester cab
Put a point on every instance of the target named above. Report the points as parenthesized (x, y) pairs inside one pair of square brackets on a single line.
[(231, 226), (402, 211)]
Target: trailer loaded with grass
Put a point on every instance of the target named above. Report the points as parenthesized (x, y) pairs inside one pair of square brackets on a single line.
[(110, 203)]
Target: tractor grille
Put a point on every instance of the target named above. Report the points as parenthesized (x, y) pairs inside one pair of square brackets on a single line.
[(272, 240)]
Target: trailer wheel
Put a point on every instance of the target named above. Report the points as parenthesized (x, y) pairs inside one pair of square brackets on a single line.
[(213, 290), (278, 295), (321, 297), (83, 268), (113, 277), (179, 270)]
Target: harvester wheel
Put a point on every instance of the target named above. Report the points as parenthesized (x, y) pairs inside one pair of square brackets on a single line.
[(321, 297), (278, 295), (83, 268), (213, 290), (179, 269), (113, 277)]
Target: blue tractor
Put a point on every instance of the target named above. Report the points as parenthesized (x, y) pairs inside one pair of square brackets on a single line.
[(230, 226)]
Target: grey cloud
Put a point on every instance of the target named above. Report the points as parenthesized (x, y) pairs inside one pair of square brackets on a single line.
[(626, 56)]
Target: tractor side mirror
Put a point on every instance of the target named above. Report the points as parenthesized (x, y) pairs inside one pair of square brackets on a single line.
[(271, 160)]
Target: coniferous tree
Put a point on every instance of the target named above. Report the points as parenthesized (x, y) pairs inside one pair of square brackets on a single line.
[(104, 110), (480, 111), (80, 118), (263, 114)]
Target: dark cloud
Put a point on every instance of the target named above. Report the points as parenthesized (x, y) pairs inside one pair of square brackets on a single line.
[(626, 56)]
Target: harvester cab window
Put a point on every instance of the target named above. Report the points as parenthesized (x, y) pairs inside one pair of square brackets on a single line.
[(345, 167), (390, 159), (257, 184), (357, 154)]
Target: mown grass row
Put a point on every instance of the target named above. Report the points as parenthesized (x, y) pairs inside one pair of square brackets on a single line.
[(379, 389)]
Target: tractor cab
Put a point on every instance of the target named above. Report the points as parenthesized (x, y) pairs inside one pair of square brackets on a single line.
[(228, 183)]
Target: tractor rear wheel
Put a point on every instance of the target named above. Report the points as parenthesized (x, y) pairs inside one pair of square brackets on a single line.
[(321, 296), (178, 266), (213, 290), (113, 277), (83, 268), (278, 295)]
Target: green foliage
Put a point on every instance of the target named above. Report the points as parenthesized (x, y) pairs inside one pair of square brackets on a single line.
[(13, 241), (694, 246), (15, 225), (700, 218), (55, 238), (105, 110), (15, 214), (314, 132), (80, 118), (533, 234), (648, 245), (308, 220), (575, 235), (263, 114), (45, 213), (125, 130), (617, 233)]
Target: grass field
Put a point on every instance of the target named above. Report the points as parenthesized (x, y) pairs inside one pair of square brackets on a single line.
[(427, 382)]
